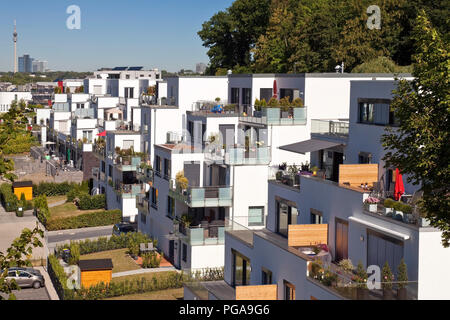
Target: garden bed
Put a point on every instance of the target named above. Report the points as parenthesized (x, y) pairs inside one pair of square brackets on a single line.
[(169, 294), (122, 261)]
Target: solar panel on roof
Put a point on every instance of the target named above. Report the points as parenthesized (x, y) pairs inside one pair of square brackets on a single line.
[(120, 68), (135, 68)]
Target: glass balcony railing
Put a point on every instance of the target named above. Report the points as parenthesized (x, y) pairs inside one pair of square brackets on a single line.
[(142, 203), (196, 197), (84, 113), (128, 163), (144, 174), (128, 190), (275, 116), (242, 156), (239, 231), (212, 234), (344, 284), (337, 128)]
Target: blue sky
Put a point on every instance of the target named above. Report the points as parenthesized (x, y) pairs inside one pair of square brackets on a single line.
[(154, 34)]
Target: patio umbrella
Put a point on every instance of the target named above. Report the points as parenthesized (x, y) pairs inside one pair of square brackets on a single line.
[(399, 189), (102, 134), (275, 89)]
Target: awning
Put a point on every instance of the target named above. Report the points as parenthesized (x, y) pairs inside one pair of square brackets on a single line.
[(309, 146), (390, 232)]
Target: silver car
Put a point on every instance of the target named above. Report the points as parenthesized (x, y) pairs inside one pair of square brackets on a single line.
[(26, 277)]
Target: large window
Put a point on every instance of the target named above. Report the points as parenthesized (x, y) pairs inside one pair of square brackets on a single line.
[(234, 96), (255, 216), (246, 96), (158, 165), (167, 169), (170, 207), (316, 217), (286, 215), (289, 291), (241, 269), (155, 198), (266, 276), (265, 93), (376, 111)]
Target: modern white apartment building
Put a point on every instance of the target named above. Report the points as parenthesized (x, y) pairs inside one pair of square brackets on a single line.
[(6, 98), (280, 261)]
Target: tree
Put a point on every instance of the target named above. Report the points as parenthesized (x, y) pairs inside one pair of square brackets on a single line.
[(231, 34), (17, 256), (419, 147), (381, 65)]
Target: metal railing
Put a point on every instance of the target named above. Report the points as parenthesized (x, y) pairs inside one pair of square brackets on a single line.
[(202, 196), (207, 234), (330, 127)]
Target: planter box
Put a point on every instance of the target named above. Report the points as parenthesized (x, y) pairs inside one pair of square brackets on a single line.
[(407, 218), (424, 222), (373, 207), (388, 211)]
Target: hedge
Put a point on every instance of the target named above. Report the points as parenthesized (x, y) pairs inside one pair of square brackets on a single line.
[(88, 202), (95, 219), (8, 198), (124, 240), (59, 278), (51, 189)]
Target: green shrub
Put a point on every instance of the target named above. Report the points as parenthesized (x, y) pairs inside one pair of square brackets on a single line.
[(151, 260), (51, 189), (388, 277), (389, 203), (74, 253), (41, 209), (9, 200), (95, 219), (88, 202)]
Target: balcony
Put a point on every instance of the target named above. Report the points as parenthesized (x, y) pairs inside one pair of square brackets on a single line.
[(405, 214), (197, 197), (274, 116), (330, 128), (142, 204), (128, 190), (145, 174), (241, 155), (345, 285), (99, 150), (161, 102), (240, 232), (128, 163), (205, 234), (84, 113)]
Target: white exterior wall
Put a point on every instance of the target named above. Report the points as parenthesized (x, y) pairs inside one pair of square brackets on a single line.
[(6, 98), (42, 114), (60, 98)]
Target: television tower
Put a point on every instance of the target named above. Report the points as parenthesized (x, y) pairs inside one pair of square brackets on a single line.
[(15, 47)]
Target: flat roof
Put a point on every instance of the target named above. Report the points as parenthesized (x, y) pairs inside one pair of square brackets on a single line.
[(97, 264), (21, 184), (322, 75)]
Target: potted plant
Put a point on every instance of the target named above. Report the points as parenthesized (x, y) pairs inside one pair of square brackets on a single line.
[(279, 175), (182, 182), (257, 106), (388, 207), (423, 221), (298, 103), (398, 213), (402, 279), (282, 166), (407, 213), (285, 106), (386, 284), (346, 265), (314, 170), (361, 282), (372, 204)]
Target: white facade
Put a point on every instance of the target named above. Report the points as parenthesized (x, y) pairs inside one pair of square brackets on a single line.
[(6, 98)]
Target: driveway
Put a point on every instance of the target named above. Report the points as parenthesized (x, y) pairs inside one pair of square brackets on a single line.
[(31, 294)]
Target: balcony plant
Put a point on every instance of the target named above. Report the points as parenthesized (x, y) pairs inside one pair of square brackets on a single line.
[(346, 265), (372, 204), (423, 221), (386, 282), (257, 106), (389, 207), (402, 278), (181, 181), (298, 103), (285, 106), (361, 282), (186, 220), (230, 108), (314, 170), (273, 103), (407, 213)]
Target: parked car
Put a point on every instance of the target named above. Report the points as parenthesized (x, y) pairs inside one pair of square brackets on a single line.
[(122, 228), (26, 277)]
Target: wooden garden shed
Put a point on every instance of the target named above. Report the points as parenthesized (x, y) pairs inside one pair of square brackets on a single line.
[(95, 271), (25, 187)]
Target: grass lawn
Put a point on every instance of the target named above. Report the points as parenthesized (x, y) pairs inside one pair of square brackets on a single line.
[(121, 260), (148, 276), (169, 294), (55, 199), (69, 210)]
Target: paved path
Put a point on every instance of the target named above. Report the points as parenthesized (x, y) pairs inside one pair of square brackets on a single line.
[(30, 294), (55, 204), (48, 284), (78, 234), (141, 271)]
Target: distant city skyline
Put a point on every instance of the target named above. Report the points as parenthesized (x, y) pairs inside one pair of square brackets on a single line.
[(152, 34)]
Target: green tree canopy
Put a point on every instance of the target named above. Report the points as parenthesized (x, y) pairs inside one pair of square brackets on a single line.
[(420, 146)]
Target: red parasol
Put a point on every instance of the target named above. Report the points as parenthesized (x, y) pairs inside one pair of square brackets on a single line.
[(102, 134), (399, 189), (275, 89)]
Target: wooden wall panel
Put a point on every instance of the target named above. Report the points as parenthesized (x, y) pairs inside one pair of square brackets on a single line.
[(355, 174), (27, 191), (90, 278), (300, 235), (264, 292)]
